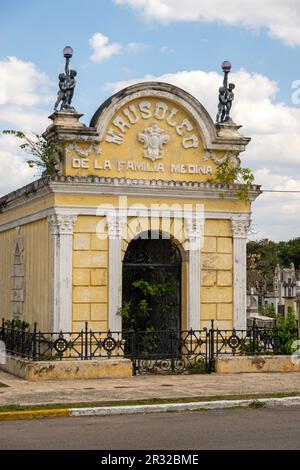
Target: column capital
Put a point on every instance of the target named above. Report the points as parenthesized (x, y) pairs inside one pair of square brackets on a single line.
[(240, 226), (115, 226), (62, 224), (194, 232)]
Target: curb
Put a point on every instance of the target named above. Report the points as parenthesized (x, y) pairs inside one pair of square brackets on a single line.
[(201, 405), (145, 409), (33, 414)]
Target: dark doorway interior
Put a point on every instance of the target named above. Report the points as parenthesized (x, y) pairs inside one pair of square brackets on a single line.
[(152, 284)]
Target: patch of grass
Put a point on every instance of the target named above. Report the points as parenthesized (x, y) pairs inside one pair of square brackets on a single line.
[(257, 404), (147, 401), (3, 385)]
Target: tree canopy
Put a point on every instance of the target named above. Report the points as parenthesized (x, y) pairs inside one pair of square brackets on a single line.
[(264, 255)]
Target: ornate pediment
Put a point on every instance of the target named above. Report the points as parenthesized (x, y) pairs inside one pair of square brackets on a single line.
[(151, 131)]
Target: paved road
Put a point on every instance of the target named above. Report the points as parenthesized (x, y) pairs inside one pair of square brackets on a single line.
[(220, 429)]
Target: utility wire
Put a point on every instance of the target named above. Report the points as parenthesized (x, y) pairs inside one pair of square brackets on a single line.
[(279, 191)]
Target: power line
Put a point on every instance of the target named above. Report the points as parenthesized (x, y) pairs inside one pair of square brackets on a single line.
[(279, 191)]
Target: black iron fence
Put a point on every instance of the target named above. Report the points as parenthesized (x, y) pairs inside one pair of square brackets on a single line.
[(150, 351)]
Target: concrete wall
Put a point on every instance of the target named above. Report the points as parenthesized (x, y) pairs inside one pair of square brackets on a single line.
[(67, 370), (242, 364)]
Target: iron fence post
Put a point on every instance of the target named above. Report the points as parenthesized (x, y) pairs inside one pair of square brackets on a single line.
[(133, 351), (211, 367), (34, 349), (86, 334), (2, 330), (172, 350)]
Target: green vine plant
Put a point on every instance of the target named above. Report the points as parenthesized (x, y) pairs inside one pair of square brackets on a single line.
[(46, 155), (227, 173), (142, 305), (136, 313)]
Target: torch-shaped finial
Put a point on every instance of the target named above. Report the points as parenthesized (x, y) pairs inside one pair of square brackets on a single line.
[(67, 84), (226, 95)]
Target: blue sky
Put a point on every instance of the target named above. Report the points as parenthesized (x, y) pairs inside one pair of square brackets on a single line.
[(166, 39), (36, 31)]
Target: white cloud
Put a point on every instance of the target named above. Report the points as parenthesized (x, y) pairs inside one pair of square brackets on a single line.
[(136, 47), (102, 50), (274, 151), (22, 84), (25, 101), (280, 18), (167, 50), (14, 171)]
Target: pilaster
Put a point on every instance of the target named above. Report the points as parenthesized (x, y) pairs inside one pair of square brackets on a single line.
[(240, 226), (61, 228)]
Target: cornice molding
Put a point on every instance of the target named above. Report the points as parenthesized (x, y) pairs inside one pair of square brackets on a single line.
[(123, 187)]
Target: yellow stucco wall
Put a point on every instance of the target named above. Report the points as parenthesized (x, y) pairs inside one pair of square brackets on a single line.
[(216, 274), (90, 267), (27, 208), (37, 279), (90, 272)]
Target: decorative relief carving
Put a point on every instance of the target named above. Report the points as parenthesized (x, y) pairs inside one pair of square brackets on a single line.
[(232, 156), (62, 224), (93, 148), (153, 139), (18, 278)]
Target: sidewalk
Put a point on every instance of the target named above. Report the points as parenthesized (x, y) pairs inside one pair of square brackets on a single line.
[(21, 392)]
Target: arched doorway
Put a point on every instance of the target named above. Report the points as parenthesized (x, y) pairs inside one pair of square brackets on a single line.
[(151, 284)]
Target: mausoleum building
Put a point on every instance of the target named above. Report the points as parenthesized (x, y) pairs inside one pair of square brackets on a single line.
[(132, 197)]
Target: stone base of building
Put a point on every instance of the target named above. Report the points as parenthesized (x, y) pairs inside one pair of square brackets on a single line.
[(36, 371), (244, 364)]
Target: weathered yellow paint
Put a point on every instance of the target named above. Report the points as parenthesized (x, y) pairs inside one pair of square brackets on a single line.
[(224, 278), (90, 290), (218, 204), (67, 370), (99, 312), (224, 245), (208, 311), (255, 364), (82, 241), (208, 278), (224, 311), (131, 150), (84, 259), (81, 312), (216, 261), (27, 208), (216, 294), (91, 252), (98, 277), (81, 277), (218, 228), (38, 268), (209, 245)]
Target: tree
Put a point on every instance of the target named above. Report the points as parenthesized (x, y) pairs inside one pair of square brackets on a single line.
[(47, 155)]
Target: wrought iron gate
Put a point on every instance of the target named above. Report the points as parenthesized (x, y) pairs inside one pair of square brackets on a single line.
[(169, 351)]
